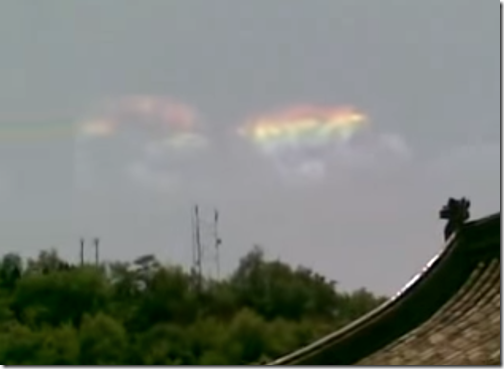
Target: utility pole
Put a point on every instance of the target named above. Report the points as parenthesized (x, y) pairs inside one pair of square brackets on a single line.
[(82, 252), (217, 242), (97, 251)]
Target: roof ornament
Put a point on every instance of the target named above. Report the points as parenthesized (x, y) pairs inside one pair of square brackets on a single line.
[(456, 212)]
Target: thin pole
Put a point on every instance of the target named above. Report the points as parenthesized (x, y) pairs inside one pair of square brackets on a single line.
[(97, 251), (198, 249), (218, 242), (193, 240), (82, 252)]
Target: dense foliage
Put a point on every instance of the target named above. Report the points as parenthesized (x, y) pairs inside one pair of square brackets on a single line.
[(52, 313)]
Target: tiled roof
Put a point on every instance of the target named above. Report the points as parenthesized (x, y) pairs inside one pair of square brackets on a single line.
[(448, 315)]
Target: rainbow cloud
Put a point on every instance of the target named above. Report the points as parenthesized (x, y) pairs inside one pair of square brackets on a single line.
[(158, 132), (306, 141), (161, 115), (303, 126)]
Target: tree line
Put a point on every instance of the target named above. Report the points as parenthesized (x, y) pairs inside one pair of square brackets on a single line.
[(148, 313)]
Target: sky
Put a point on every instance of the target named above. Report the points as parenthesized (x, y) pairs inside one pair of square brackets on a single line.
[(329, 132)]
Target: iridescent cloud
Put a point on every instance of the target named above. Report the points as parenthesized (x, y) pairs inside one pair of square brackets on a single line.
[(303, 126), (160, 115), (308, 140), (151, 134)]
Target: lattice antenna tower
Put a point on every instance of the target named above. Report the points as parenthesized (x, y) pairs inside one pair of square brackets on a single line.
[(197, 251), (205, 253)]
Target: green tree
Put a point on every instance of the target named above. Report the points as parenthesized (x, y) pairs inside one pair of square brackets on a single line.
[(147, 313), (60, 297), (274, 289), (103, 341), (59, 346), (11, 269)]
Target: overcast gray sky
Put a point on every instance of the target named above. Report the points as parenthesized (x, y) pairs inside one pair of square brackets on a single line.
[(425, 73)]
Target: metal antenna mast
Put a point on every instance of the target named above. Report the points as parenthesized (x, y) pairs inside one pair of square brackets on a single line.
[(97, 251), (82, 252), (203, 251), (197, 249), (218, 242)]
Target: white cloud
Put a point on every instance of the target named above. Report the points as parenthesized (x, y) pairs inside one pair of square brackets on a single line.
[(145, 139), (366, 153), (151, 179)]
